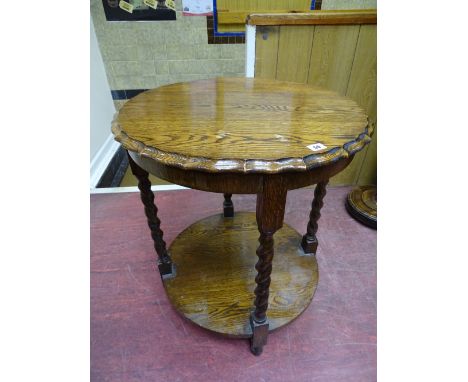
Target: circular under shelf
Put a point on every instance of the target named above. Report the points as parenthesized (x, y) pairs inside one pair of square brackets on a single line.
[(215, 275)]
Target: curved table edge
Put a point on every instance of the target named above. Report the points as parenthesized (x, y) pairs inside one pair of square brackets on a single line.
[(242, 165)]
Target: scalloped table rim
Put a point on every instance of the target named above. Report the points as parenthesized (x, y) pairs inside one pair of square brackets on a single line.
[(267, 166)]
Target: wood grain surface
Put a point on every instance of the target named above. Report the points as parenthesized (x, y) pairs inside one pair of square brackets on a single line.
[(215, 275), (241, 125), (294, 49), (266, 51), (325, 17), (240, 17), (332, 56)]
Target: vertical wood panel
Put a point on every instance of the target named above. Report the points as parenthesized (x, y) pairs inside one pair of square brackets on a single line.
[(341, 58), (362, 88), (266, 51), (294, 47), (368, 173), (362, 85), (332, 56), (350, 174)]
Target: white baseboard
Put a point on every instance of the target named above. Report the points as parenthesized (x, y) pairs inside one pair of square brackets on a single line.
[(102, 159), (114, 190)]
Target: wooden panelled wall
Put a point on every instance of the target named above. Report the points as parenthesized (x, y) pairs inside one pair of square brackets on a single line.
[(342, 58)]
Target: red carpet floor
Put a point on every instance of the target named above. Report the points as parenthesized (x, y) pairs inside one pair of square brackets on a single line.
[(137, 336)]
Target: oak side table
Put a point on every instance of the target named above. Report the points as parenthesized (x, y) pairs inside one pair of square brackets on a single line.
[(240, 136)]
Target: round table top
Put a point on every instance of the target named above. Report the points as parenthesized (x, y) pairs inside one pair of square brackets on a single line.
[(242, 125)]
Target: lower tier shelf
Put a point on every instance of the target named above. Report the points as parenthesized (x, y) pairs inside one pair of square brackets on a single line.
[(215, 275)]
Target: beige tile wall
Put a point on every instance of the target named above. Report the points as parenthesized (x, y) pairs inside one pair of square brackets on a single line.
[(349, 4), (147, 54), (143, 55)]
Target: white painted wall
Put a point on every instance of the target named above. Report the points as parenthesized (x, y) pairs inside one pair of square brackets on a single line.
[(102, 107)]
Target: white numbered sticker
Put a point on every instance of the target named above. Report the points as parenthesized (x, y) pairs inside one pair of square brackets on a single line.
[(316, 147)]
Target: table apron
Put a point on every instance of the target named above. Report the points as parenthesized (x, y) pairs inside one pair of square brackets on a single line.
[(237, 183)]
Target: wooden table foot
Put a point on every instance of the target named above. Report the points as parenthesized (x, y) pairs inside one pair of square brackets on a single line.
[(259, 334), (309, 240), (228, 206), (166, 270)]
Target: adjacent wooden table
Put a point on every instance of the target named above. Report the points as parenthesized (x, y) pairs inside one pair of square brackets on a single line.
[(240, 136), (361, 204)]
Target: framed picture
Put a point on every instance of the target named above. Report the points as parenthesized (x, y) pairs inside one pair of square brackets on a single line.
[(139, 10)]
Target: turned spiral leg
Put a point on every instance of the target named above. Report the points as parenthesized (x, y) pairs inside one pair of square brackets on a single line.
[(228, 206), (309, 240), (270, 213), (265, 254), (154, 224)]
